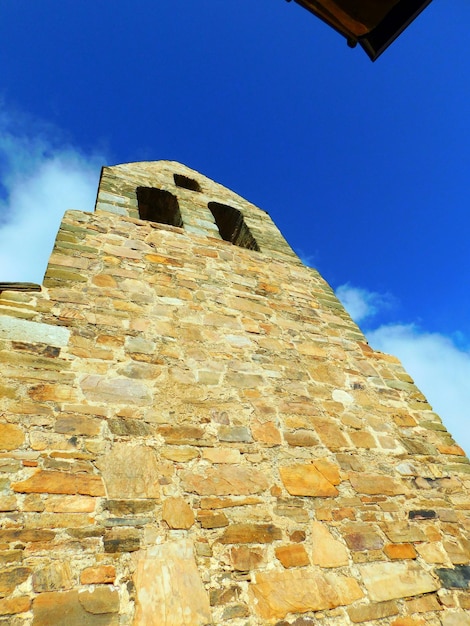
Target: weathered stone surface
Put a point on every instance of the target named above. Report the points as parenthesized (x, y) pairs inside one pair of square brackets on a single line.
[(11, 437), (326, 550), (98, 574), (121, 540), (53, 577), (234, 434), (64, 607), (389, 581), (78, 425), (275, 594), (211, 519), (306, 480), (115, 390), (169, 589), (251, 533), (457, 577), (396, 551), (16, 329), (101, 599), (369, 612), (301, 438), (177, 513), (44, 481), (222, 455), (373, 484), (293, 555), (403, 532), (224, 595), (130, 471), (129, 507), (408, 621), (266, 432), (13, 606), (70, 504), (363, 538), (11, 577), (188, 372), (458, 618), (244, 558), (424, 604), (222, 481)]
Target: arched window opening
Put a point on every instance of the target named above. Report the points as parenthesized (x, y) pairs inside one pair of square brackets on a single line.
[(232, 226), (158, 205), (186, 182)]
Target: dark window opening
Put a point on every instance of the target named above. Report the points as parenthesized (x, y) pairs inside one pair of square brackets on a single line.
[(186, 182), (158, 205), (232, 226)]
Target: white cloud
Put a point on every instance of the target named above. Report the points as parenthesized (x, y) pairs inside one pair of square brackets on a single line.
[(440, 369), (40, 179), (361, 303)]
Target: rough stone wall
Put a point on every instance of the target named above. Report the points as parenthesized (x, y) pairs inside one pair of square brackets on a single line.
[(194, 433)]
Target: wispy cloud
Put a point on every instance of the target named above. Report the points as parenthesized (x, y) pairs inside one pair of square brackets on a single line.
[(40, 178), (361, 303), (440, 368)]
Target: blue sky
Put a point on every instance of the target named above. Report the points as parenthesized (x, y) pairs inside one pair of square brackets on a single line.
[(364, 167)]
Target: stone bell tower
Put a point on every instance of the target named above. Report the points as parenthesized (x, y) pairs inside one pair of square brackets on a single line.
[(194, 432)]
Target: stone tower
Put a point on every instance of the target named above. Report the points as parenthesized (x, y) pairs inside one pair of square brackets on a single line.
[(193, 431)]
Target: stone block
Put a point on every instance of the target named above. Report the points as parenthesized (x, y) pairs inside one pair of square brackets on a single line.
[(274, 594), (14, 329), (11, 437), (306, 480), (369, 612), (457, 618), (70, 504), (222, 455), (245, 558), (110, 390), (169, 591), (98, 574), (326, 550), (363, 539), (266, 432), (121, 540), (129, 507), (457, 577), (209, 519), (234, 434), (13, 606), (100, 599), (57, 575), (230, 480), (424, 604), (301, 438), (45, 481), (376, 484), (78, 425), (390, 581), (223, 595), (403, 532), (130, 471), (12, 577), (251, 533), (330, 433), (235, 611), (293, 555), (64, 607), (397, 551), (177, 513)]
